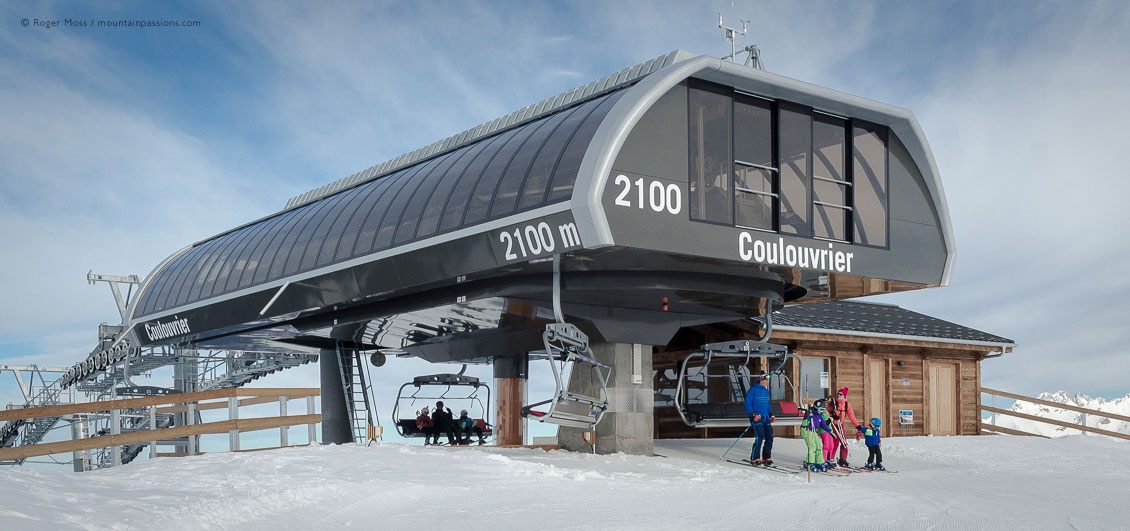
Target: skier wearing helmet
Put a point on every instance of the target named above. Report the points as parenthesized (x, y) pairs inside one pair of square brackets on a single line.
[(761, 418), (425, 425), (874, 453), (827, 437), (840, 410), (466, 426), (810, 429)]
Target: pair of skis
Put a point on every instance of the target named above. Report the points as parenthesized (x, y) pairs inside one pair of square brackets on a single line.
[(767, 468)]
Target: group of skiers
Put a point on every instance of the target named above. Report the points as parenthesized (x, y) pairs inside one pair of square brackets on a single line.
[(822, 429), (459, 431)]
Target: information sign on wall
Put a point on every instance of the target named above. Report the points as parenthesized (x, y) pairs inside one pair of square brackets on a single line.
[(906, 417)]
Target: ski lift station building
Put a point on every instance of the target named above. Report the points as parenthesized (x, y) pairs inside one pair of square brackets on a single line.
[(681, 196)]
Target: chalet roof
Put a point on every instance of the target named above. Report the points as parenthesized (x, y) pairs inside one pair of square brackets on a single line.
[(878, 320)]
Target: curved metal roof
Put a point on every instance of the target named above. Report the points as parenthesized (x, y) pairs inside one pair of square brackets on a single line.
[(520, 169)]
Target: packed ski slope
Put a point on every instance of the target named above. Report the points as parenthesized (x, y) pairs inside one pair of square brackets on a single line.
[(991, 482)]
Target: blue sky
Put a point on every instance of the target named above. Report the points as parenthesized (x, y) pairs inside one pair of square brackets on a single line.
[(120, 145)]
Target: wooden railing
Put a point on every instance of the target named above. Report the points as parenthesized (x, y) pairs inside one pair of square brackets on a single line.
[(191, 402), (1081, 426)]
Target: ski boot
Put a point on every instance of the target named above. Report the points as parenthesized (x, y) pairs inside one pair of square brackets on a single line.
[(843, 463), (767, 462), (755, 462), (869, 466), (828, 465), (879, 467)]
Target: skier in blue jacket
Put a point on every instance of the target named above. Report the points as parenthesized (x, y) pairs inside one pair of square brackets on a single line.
[(871, 438), (761, 419)]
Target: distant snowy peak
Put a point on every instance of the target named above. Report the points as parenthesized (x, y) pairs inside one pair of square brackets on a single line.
[(1118, 406)]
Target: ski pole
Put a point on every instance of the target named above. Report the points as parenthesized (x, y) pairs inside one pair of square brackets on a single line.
[(723, 456)]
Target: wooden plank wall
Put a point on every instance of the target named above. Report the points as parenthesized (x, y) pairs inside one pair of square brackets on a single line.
[(849, 358)]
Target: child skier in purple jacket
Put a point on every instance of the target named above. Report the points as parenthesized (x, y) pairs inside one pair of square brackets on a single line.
[(810, 427)]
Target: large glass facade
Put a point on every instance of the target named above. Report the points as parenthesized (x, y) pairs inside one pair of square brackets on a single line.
[(524, 168), (755, 167), (711, 164), (793, 169)]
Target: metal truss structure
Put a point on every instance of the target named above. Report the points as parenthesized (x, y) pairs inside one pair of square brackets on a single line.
[(108, 372)]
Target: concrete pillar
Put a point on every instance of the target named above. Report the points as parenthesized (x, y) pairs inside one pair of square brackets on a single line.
[(629, 424), (335, 412), (510, 377)]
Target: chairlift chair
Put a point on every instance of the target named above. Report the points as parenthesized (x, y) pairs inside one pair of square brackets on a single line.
[(567, 348), (406, 427), (736, 355)]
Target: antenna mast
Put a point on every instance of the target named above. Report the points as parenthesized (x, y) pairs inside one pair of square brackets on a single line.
[(753, 59)]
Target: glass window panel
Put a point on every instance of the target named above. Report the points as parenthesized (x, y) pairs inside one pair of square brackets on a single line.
[(795, 142), (506, 198), (353, 232), (240, 257), (406, 228), (255, 258), (533, 190), (812, 385), (710, 160), (337, 230), (869, 174), (336, 210), (755, 210), (375, 217), (437, 204), (829, 192), (828, 145), (565, 174), (753, 130), (831, 222), (304, 238), (753, 178), (395, 210), (461, 195), (479, 205)]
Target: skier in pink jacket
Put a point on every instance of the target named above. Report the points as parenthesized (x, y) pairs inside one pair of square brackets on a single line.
[(840, 409)]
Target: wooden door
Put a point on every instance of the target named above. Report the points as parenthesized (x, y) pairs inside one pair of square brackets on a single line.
[(876, 404), (943, 399)]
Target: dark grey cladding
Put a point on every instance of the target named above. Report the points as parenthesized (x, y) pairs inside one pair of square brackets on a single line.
[(518, 170)]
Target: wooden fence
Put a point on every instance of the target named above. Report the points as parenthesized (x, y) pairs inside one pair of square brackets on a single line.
[(1054, 422), (188, 403)]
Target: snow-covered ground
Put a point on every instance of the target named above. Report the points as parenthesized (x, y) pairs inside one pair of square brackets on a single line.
[(991, 482), (1118, 406)]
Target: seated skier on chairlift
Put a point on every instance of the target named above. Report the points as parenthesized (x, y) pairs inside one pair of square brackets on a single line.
[(467, 427), (425, 425)]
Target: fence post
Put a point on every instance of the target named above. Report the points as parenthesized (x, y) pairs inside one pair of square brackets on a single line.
[(116, 429), (190, 419), (283, 442), (1083, 421), (310, 411), (153, 426), (233, 414), (994, 406)]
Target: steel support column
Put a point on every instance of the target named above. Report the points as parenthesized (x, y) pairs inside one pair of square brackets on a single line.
[(335, 412)]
